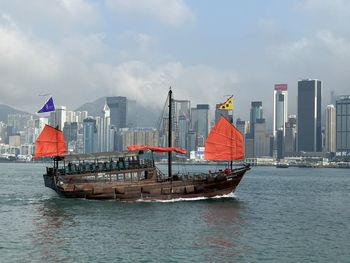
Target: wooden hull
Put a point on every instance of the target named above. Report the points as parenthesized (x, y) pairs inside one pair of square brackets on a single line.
[(205, 186)]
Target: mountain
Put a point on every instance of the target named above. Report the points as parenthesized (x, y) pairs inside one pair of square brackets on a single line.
[(146, 117), (5, 110)]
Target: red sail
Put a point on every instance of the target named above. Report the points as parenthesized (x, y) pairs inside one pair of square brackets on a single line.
[(224, 143), (50, 142), (155, 149)]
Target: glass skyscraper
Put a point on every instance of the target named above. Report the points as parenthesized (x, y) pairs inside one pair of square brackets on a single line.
[(90, 134), (280, 107), (118, 110), (256, 112), (309, 134), (343, 126)]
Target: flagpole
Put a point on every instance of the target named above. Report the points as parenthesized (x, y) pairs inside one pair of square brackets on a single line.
[(232, 108)]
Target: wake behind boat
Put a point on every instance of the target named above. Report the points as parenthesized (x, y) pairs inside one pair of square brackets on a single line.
[(131, 176)]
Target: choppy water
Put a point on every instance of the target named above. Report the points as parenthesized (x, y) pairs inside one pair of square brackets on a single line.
[(276, 215)]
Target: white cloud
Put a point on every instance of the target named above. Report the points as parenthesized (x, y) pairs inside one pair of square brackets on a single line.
[(338, 46), (172, 12), (30, 66), (291, 51)]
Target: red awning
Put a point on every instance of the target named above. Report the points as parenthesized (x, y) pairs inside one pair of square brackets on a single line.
[(156, 149)]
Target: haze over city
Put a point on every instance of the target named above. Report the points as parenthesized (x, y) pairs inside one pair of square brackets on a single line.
[(79, 51)]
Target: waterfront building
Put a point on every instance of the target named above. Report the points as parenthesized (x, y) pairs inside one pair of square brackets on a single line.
[(279, 139), (343, 126), (89, 135), (118, 110), (140, 136), (330, 129), (280, 107), (256, 112), (242, 126), (2, 132), (181, 122), (261, 139), (103, 125), (183, 126), (248, 147), (191, 140), (290, 135), (201, 122), (15, 140), (309, 137)]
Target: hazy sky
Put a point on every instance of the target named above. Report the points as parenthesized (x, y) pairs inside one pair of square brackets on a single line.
[(80, 50)]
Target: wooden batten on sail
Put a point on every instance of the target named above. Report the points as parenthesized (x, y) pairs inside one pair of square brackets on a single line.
[(224, 143), (50, 143)]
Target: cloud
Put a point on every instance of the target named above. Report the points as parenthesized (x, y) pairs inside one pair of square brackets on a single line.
[(149, 85), (172, 12), (290, 51), (75, 72), (338, 46), (78, 9)]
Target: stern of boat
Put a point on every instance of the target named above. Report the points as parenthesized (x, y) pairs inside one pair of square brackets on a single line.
[(49, 178)]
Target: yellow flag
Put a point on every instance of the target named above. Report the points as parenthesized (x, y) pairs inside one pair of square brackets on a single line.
[(227, 105)]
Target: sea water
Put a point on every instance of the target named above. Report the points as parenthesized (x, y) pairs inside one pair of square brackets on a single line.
[(276, 215)]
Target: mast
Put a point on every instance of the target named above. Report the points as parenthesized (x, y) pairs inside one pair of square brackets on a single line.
[(169, 134)]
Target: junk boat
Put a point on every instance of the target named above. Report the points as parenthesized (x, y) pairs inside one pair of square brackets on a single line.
[(129, 176)]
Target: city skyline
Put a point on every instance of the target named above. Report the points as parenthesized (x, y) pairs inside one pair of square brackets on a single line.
[(76, 50)]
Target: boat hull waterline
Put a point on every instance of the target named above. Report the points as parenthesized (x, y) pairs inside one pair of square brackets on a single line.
[(213, 185)]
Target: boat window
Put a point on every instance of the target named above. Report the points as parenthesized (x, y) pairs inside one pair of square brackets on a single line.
[(114, 177), (127, 176), (120, 177), (142, 175), (134, 176)]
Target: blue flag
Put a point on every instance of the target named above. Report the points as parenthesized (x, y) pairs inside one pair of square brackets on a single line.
[(48, 106)]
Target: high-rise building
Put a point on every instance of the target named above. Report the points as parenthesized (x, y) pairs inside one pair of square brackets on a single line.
[(181, 122), (141, 136), (330, 131), (89, 135), (280, 107), (290, 135), (224, 113), (103, 131), (261, 139), (118, 109), (201, 122), (279, 140), (70, 131), (183, 131), (58, 117), (18, 121), (309, 138), (343, 126), (80, 116), (256, 112)]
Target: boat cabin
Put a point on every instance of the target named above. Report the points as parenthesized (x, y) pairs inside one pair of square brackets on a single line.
[(109, 166)]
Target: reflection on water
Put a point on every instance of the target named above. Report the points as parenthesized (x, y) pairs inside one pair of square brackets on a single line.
[(224, 220), (52, 219)]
